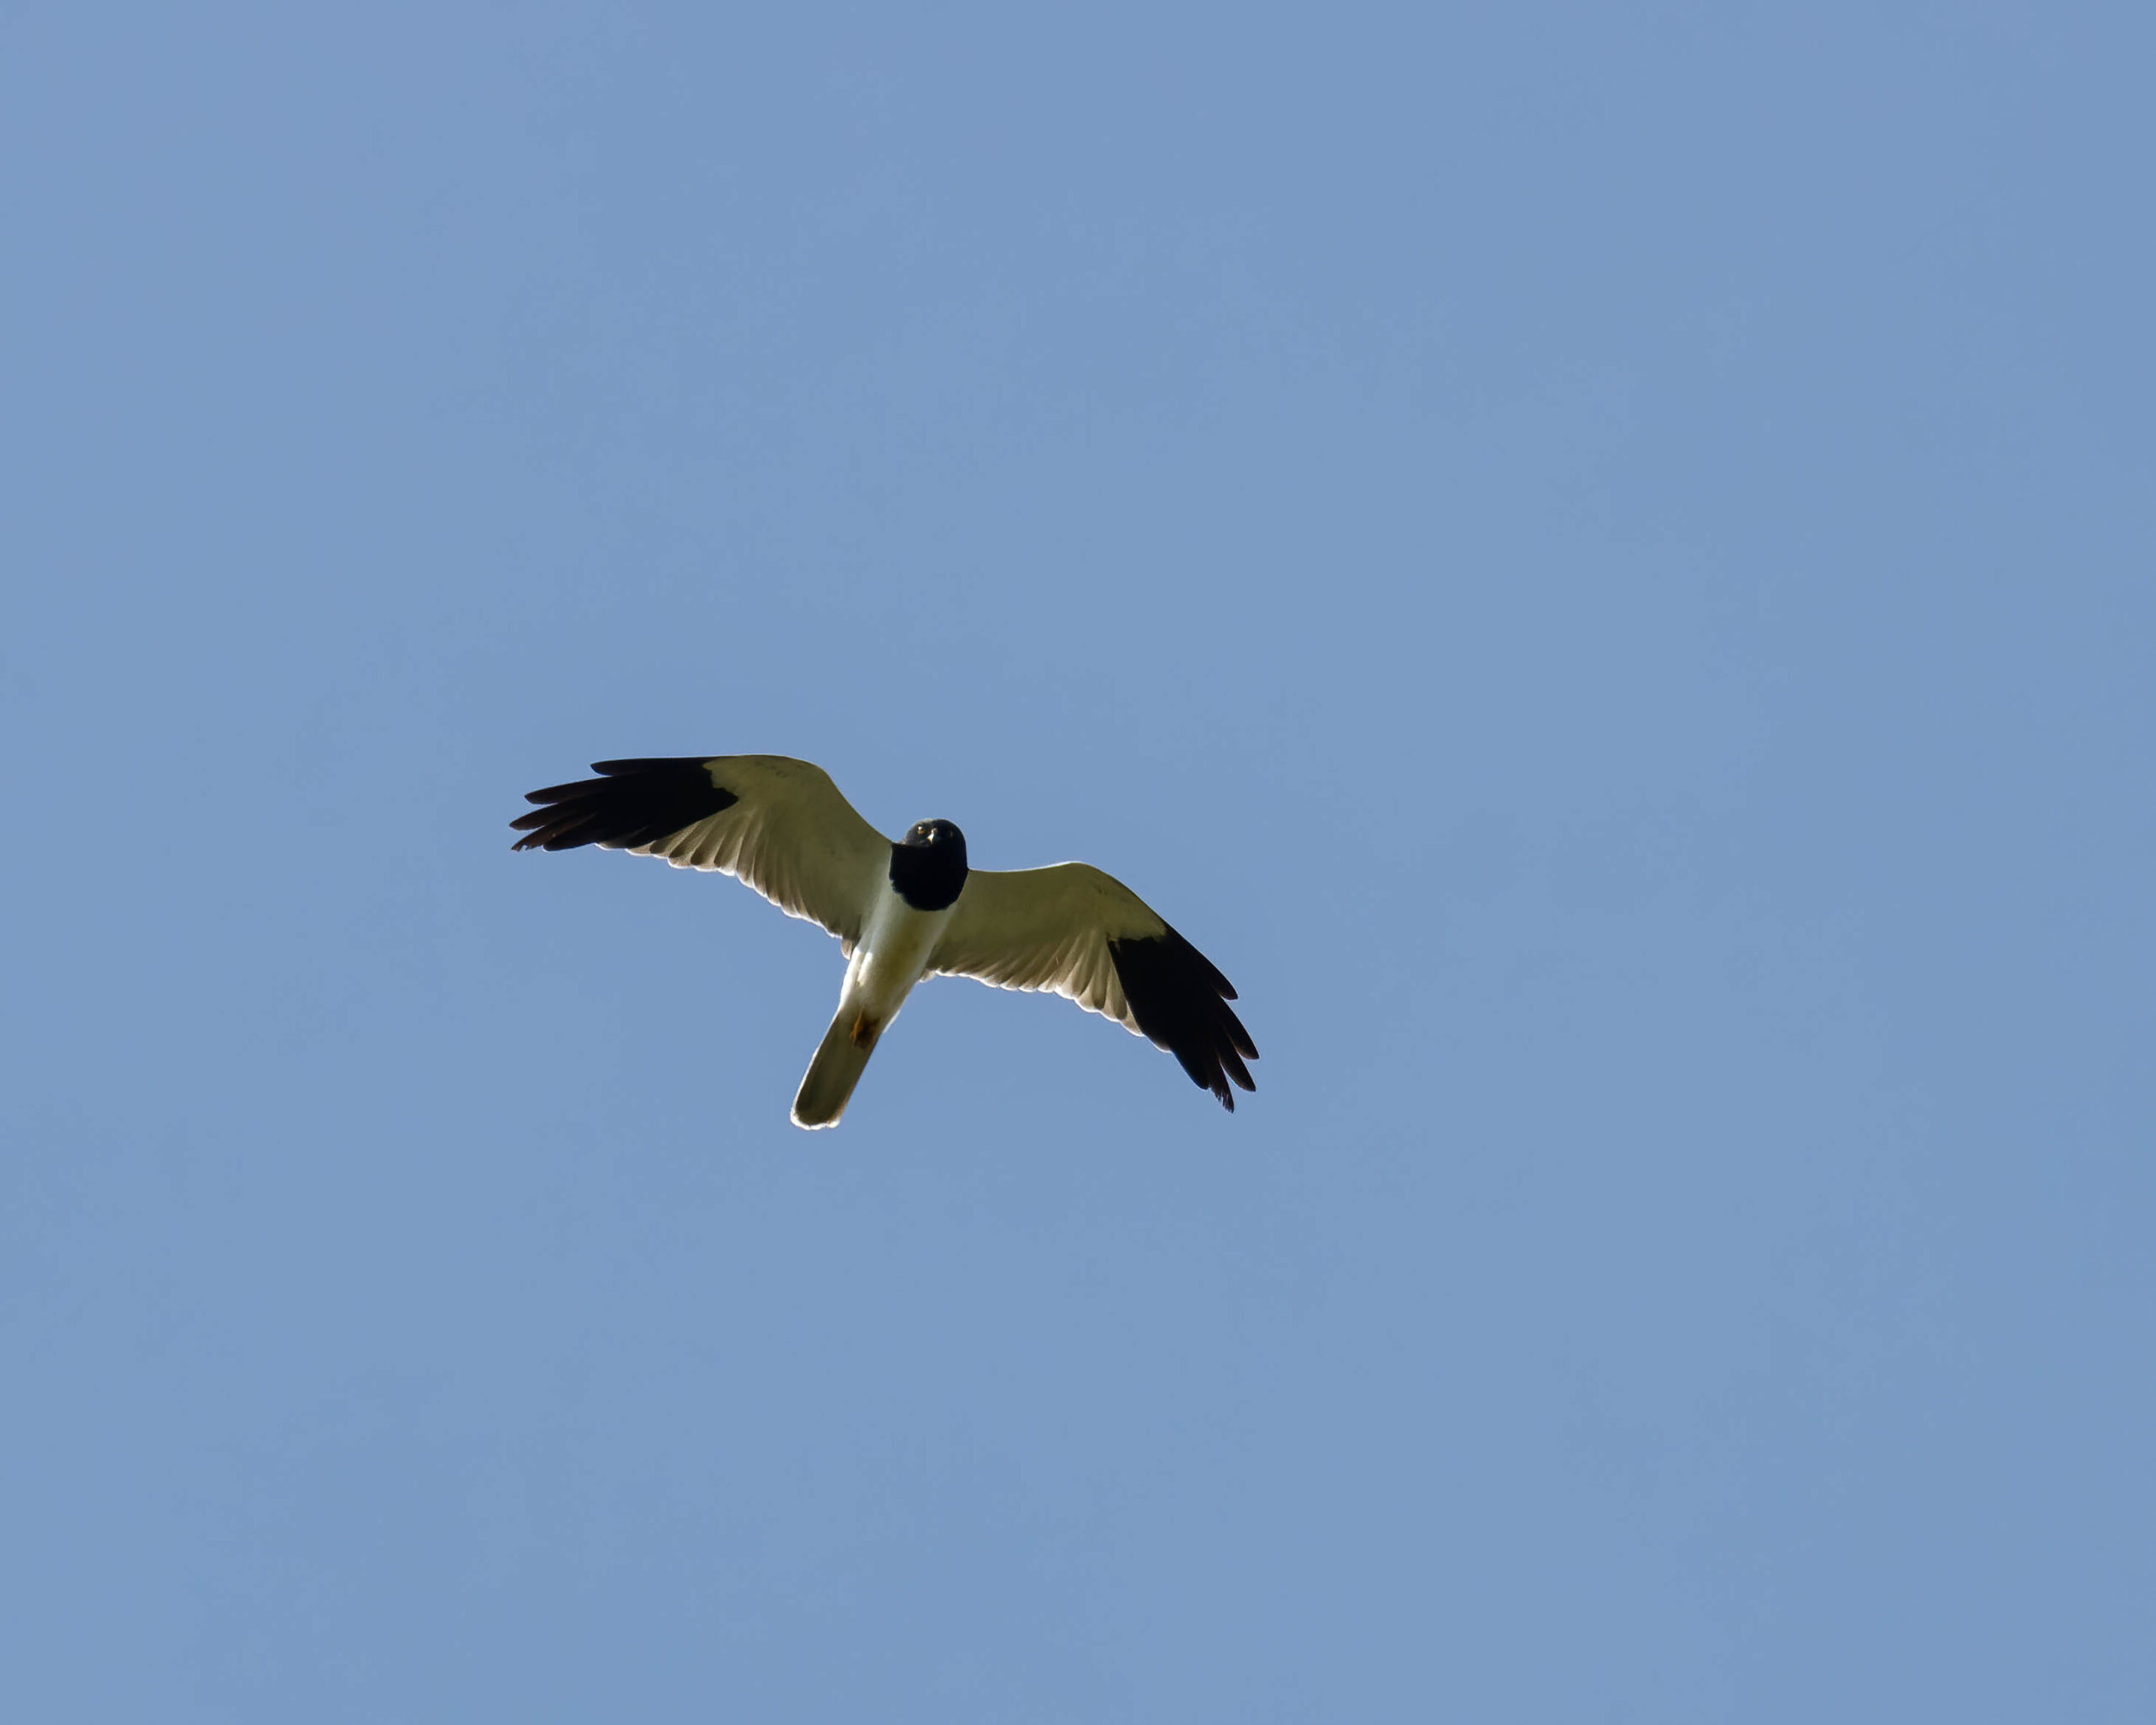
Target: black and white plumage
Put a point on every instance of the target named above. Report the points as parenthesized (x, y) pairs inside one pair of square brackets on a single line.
[(905, 911)]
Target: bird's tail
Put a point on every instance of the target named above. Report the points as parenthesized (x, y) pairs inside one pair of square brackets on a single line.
[(841, 1059)]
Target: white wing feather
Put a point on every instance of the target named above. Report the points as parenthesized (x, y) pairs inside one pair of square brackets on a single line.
[(793, 836), (1047, 930)]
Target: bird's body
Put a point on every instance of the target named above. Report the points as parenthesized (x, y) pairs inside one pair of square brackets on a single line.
[(897, 946), (904, 911), (893, 954)]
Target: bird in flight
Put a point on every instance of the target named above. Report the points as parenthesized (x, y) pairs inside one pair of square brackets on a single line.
[(904, 911)]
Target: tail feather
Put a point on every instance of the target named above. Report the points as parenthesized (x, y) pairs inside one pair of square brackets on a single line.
[(841, 1059)]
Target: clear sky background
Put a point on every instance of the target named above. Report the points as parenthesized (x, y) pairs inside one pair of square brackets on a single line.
[(1597, 559)]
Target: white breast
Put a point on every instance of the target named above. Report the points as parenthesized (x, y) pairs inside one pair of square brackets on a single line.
[(891, 958)]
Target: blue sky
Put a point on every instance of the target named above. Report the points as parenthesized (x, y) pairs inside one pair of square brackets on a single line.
[(1597, 560)]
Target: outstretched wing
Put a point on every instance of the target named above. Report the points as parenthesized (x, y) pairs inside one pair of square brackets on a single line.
[(1073, 930), (779, 825)]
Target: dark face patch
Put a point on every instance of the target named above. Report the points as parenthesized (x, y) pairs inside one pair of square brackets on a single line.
[(928, 865)]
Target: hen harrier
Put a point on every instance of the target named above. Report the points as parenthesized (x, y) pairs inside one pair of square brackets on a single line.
[(905, 911)]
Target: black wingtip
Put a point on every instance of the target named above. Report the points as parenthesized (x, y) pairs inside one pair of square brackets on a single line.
[(635, 802), (1181, 1003)]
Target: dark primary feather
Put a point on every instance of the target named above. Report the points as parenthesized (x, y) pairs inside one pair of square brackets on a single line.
[(1180, 1004), (635, 802)]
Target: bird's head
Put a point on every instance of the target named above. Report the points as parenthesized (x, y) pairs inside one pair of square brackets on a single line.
[(928, 865), (935, 834)]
